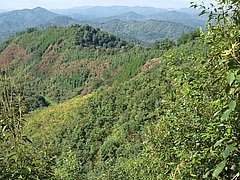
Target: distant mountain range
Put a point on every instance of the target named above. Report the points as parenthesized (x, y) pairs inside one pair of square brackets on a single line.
[(171, 16), (105, 11), (100, 16), (186, 16)]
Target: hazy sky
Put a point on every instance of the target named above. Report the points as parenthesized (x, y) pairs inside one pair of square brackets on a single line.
[(63, 4)]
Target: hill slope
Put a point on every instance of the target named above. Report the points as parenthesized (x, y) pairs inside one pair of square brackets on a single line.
[(63, 62), (150, 127)]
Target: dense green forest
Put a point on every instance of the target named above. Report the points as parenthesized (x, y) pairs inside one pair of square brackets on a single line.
[(61, 63), (80, 103)]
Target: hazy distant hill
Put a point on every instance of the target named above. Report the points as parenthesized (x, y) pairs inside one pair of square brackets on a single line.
[(3, 10), (189, 11), (128, 16), (13, 21), (179, 17), (105, 11), (59, 21), (81, 17)]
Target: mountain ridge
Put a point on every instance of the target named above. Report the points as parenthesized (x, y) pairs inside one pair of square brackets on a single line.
[(13, 21)]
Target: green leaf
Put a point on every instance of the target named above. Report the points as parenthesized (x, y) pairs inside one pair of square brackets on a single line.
[(232, 105), (238, 77), (226, 114), (36, 161), (3, 130), (228, 150), (218, 143), (29, 169), (26, 139), (230, 78), (229, 130), (219, 168), (226, 53), (11, 155), (228, 88), (203, 12)]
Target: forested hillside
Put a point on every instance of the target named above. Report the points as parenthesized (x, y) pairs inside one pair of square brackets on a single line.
[(147, 31), (64, 62), (119, 110)]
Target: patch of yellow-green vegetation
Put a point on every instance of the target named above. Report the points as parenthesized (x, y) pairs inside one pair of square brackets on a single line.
[(48, 122)]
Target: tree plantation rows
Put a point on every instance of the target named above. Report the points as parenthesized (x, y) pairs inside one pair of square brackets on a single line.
[(80, 103)]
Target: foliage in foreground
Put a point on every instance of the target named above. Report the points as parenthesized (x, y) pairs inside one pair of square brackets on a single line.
[(158, 125), (18, 158)]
